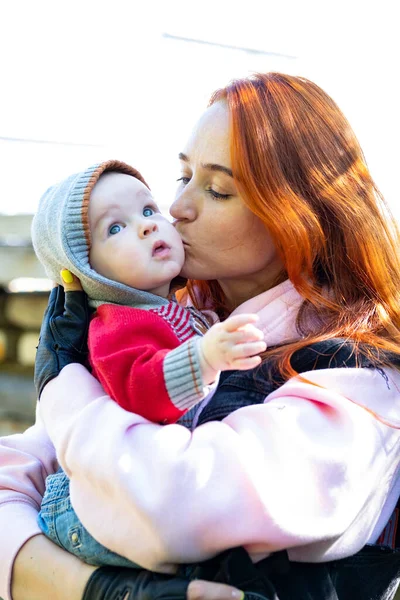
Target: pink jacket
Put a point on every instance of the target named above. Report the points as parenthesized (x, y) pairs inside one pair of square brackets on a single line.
[(314, 469)]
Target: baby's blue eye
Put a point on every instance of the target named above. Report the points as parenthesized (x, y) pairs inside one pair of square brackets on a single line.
[(148, 212), (116, 228)]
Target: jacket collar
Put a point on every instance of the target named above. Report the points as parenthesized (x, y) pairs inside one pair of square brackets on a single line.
[(277, 309)]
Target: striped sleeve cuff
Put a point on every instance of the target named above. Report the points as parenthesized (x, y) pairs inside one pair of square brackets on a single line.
[(182, 375)]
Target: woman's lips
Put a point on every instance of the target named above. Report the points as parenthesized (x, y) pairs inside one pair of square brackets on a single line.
[(184, 242)]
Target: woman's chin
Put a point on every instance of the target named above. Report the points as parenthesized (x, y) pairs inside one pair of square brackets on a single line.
[(195, 270), (186, 271), (191, 274)]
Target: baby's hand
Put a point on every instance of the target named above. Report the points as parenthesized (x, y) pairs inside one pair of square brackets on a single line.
[(233, 344)]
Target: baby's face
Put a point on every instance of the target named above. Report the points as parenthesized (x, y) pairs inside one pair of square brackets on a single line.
[(131, 241)]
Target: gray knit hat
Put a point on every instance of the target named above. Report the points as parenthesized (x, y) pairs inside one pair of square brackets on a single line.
[(61, 236)]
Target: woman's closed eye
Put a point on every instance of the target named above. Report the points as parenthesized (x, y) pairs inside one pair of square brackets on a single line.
[(216, 195), (184, 180)]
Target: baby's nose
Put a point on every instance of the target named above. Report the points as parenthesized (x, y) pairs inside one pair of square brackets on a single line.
[(147, 227)]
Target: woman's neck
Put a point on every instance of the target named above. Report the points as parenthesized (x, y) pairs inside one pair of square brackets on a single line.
[(238, 291)]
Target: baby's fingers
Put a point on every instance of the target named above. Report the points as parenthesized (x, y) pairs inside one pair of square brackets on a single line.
[(237, 321), (247, 349), (241, 364), (247, 333)]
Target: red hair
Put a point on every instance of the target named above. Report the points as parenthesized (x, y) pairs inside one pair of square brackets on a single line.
[(298, 166)]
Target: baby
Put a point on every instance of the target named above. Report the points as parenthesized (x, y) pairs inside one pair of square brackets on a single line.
[(151, 355)]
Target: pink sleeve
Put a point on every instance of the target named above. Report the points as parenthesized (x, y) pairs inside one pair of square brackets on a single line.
[(25, 461), (302, 471)]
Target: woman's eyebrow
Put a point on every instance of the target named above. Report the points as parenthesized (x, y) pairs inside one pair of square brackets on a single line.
[(209, 166)]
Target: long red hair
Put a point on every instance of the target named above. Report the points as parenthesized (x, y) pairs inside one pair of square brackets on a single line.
[(298, 166)]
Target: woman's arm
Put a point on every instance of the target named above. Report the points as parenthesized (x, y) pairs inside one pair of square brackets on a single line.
[(32, 567), (25, 461), (41, 570), (308, 470)]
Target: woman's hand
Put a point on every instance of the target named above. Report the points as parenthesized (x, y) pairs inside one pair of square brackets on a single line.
[(110, 583), (63, 335), (207, 590), (43, 570)]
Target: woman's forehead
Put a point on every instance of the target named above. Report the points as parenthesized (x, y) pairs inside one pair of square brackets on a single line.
[(209, 141)]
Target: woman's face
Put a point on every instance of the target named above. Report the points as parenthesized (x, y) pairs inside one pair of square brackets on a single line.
[(223, 239)]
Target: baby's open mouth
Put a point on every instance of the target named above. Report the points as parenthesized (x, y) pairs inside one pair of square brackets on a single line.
[(160, 248)]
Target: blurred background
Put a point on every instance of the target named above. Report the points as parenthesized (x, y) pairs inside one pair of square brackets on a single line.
[(83, 81)]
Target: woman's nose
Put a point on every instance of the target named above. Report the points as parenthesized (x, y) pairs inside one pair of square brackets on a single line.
[(146, 228), (183, 208)]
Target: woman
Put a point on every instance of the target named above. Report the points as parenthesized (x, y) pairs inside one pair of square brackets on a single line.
[(279, 215)]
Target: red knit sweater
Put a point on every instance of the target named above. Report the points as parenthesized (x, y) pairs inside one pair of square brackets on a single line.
[(127, 347)]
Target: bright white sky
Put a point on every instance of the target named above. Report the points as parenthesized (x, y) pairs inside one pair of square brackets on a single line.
[(101, 79)]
